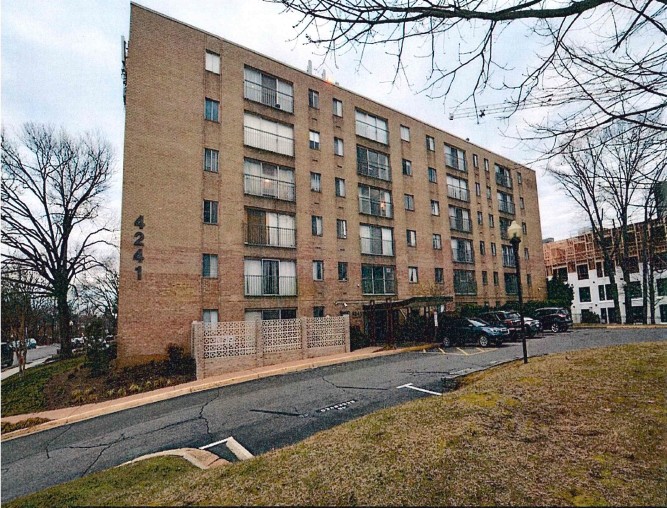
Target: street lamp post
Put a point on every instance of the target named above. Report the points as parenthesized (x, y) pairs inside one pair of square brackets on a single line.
[(514, 231)]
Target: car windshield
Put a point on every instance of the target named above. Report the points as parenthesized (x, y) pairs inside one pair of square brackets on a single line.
[(478, 322), (513, 315)]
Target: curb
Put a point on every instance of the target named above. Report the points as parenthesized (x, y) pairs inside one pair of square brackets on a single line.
[(120, 406), (199, 458)]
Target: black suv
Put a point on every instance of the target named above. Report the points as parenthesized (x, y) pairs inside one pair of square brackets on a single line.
[(460, 331), (556, 319), (7, 355), (509, 319)]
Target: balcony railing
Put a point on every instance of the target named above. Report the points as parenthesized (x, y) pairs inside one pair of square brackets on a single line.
[(458, 193), (509, 261), (268, 96), (465, 287), (260, 285), (506, 206), (270, 236), (460, 224), (373, 132), (377, 246), (375, 207), (456, 161), (463, 256), (374, 170), (378, 287), (268, 141), (268, 187), (503, 233), (504, 180)]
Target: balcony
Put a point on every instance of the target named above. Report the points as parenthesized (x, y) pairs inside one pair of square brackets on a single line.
[(458, 193), (462, 256), (370, 131), (268, 187), (377, 246), (268, 96), (269, 141), (503, 233), (456, 161), (380, 171), (509, 261), (375, 207), (260, 285), (504, 180), (465, 287), (506, 206), (460, 224), (270, 236), (378, 287)]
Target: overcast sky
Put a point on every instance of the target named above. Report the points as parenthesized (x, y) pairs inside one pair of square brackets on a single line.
[(61, 65)]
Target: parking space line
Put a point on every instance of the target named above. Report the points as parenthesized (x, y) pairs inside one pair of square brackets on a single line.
[(462, 351), (440, 349), (412, 387)]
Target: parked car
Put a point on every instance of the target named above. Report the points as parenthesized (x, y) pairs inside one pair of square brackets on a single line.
[(464, 330), (31, 343), (509, 319), (78, 342), (556, 319), (532, 326), (7, 354)]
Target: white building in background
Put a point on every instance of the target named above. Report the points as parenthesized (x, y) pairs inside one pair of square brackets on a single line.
[(578, 262)]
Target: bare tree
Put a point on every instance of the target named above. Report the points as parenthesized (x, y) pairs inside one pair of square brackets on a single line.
[(52, 191), (99, 293), (590, 62)]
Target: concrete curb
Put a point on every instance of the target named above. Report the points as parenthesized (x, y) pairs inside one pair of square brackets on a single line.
[(170, 393), (199, 458)]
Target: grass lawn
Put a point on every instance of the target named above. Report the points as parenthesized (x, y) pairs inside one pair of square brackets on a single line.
[(581, 428)]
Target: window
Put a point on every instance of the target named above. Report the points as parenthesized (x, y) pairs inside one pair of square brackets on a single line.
[(475, 161), (268, 180), (338, 146), (503, 176), (315, 182), (459, 219), (634, 289), (464, 282), (480, 218), (407, 167), (439, 276), (210, 316), (585, 294), (337, 107), (341, 228), (457, 188), (210, 160), (524, 228), (495, 279), (437, 241), (409, 201), (488, 192), (521, 203), (268, 90), (212, 62), (491, 221), (503, 225), (342, 271), (526, 254), (511, 284), (413, 277), (509, 260), (435, 207), (462, 251), (482, 248), (209, 266), (376, 241), (318, 311), (582, 272), (269, 277), (601, 292), (313, 99), (663, 313), (519, 180), (455, 158), (405, 133), (478, 189), (211, 110), (486, 164), (267, 135), (210, 212), (529, 280), (662, 287), (270, 228), (378, 280), (598, 270), (505, 203), (430, 143), (316, 225), (372, 127), (485, 278), (318, 270), (314, 140), (340, 187), (375, 201), (373, 164), (411, 236), (432, 175), (493, 249)]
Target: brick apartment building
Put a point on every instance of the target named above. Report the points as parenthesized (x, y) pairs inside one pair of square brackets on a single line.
[(254, 190)]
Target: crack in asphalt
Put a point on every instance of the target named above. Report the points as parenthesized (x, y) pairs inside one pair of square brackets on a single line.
[(271, 412), (105, 448), (201, 411), (46, 446)]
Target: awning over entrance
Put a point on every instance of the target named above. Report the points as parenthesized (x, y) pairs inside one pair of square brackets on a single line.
[(415, 302)]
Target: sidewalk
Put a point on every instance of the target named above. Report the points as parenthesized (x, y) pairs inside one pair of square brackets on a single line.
[(69, 415)]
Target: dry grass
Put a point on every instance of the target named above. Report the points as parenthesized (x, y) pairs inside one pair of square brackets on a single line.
[(584, 428), (23, 424)]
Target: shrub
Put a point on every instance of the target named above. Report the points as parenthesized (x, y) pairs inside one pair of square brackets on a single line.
[(178, 362), (589, 317), (415, 328), (358, 339), (98, 357)]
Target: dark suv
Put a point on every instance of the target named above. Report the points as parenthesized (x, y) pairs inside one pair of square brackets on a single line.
[(460, 331), (7, 355), (556, 319), (509, 319)]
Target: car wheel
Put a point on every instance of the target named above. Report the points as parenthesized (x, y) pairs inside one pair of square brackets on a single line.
[(555, 328), (483, 341), (446, 342)]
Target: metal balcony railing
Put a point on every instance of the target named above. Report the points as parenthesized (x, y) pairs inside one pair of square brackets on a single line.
[(457, 161), (268, 141), (506, 206), (268, 187), (458, 193), (377, 246), (268, 96), (270, 236), (460, 224), (261, 285), (465, 287), (509, 261), (375, 207), (381, 171), (462, 256), (378, 287), (504, 180), (373, 132)]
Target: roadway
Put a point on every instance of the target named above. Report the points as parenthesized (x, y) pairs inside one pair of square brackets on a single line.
[(34, 357), (267, 413)]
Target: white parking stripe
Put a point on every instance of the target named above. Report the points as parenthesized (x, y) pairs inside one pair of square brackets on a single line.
[(412, 387)]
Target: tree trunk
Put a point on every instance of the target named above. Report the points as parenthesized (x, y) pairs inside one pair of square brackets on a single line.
[(64, 317), (645, 277)]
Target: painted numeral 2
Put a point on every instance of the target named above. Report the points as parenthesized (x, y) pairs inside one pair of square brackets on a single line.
[(139, 242)]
